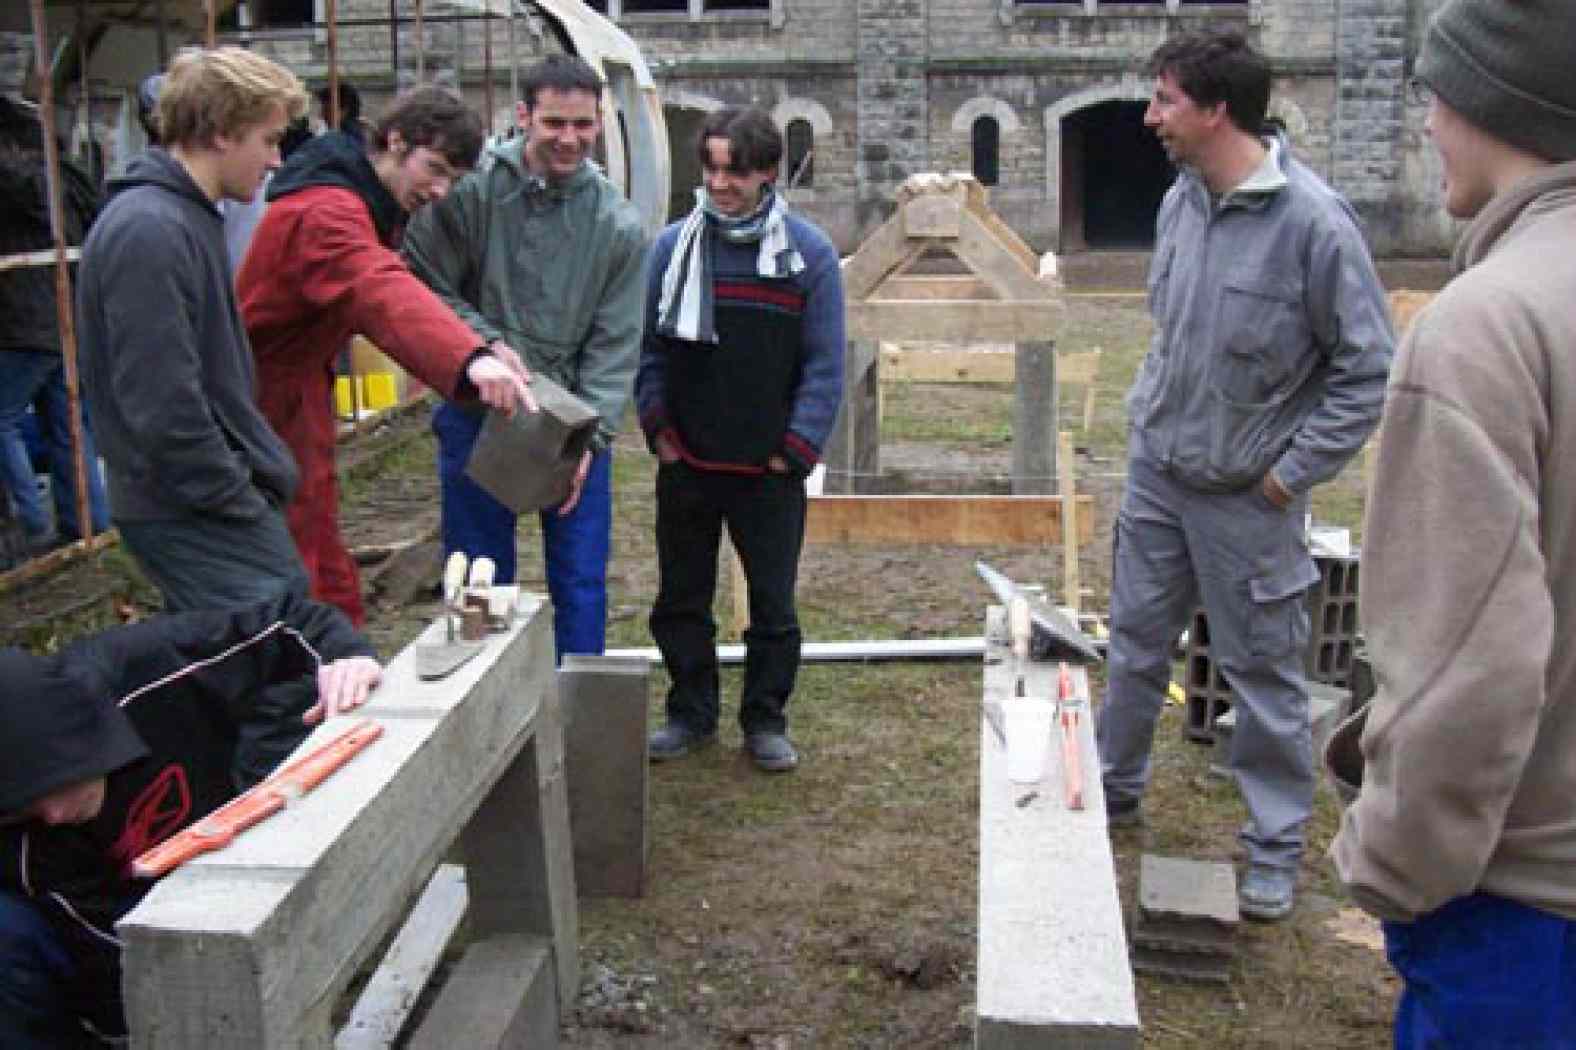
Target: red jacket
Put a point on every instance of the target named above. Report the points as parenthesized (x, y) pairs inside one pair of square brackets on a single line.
[(316, 273)]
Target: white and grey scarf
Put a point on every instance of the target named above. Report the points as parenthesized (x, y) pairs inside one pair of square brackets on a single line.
[(687, 309)]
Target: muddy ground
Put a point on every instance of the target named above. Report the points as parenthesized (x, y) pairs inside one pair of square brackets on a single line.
[(835, 907)]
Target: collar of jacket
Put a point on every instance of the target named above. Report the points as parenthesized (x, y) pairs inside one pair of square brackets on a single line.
[(1500, 214), (1259, 188), (511, 155)]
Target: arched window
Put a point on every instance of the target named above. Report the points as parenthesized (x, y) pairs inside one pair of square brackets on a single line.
[(800, 172), (985, 139)]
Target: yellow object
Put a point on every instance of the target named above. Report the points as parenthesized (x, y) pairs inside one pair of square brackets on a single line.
[(379, 390), (1174, 694), (344, 404)]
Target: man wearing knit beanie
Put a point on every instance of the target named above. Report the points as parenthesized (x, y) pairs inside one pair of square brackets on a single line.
[(1463, 834)]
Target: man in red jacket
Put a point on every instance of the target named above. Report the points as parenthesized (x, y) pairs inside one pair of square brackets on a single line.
[(323, 267)]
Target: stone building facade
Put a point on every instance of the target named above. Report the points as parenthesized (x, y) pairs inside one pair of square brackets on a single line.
[(1042, 98)]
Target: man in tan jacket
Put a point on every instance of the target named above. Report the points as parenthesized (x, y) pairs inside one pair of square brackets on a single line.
[(1463, 836)]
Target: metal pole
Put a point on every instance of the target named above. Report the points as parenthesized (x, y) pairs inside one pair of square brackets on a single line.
[(57, 224), (514, 60), (487, 69), (394, 41), (329, 15), (421, 47), (162, 36)]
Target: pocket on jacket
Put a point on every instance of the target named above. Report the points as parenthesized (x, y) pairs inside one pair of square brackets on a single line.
[(1262, 331)]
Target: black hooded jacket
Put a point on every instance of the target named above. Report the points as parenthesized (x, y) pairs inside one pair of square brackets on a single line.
[(27, 295), (336, 159), (165, 359), (178, 713)]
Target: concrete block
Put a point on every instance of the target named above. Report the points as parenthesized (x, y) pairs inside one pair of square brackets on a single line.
[(1192, 898), (1327, 705), (1053, 969), (501, 994), (604, 704), (1190, 966), (528, 460)]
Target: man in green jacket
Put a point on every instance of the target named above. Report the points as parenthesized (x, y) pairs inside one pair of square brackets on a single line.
[(540, 251)]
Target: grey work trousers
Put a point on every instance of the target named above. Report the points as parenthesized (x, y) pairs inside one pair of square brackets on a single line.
[(1248, 562), (211, 561)]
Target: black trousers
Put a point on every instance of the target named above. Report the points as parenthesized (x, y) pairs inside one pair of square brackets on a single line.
[(765, 519)]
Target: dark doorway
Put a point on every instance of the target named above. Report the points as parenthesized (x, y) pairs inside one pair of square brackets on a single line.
[(1114, 175), (683, 130)]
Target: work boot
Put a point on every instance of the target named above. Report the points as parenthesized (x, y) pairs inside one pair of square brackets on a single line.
[(675, 740), (771, 752), (1267, 893)]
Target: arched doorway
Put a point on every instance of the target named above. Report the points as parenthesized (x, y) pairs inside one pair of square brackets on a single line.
[(1114, 175)]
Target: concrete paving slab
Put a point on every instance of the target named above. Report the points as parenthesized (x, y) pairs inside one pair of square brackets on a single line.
[(1182, 894)]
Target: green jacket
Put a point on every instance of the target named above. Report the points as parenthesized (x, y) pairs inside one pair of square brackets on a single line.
[(554, 269)]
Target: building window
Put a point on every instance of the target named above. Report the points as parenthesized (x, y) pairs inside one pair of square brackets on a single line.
[(738, 5), (635, 7), (800, 173), (599, 6), (985, 142), (275, 14)]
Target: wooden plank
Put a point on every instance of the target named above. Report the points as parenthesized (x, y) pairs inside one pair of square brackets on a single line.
[(390, 996), (738, 592), (1080, 368), (885, 251), (955, 321), (1010, 275), (908, 286), (500, 995), (957, 520), (1006, 235), (1071, 585), (240, 947), (947, 366)]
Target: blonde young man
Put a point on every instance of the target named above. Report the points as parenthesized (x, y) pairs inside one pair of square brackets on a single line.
[(196, 476)]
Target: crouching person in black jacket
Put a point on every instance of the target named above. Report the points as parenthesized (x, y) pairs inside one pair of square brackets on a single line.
[(115, 744)]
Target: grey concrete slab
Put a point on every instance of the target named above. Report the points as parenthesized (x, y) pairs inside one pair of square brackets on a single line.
[(604, 703), (500, 995), (1052, 969), (1190, 966), (1183, 892), (242, 947)]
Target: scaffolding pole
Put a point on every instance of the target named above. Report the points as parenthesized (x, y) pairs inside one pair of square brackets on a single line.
[(57, 224), (210, 24), (487, 71), (421, 47)]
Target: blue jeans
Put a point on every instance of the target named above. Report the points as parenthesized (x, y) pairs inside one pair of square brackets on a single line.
[(1485, 973), (39, 379), (575, 547), (36, 977)]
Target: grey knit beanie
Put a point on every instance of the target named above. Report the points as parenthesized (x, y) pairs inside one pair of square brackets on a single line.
[(1506, 65)]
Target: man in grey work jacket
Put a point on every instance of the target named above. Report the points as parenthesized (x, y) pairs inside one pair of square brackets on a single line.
[(1266, 374), (538, 250)]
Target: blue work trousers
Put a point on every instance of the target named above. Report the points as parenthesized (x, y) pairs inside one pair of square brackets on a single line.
[(37, 379), (1485, 973), (575, 546), (1247, 561)]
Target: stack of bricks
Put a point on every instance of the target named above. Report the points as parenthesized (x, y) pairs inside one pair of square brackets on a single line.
[(1332, 644), (1186, 921)]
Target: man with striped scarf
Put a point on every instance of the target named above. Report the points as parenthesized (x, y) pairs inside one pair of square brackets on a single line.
[(741, 372)]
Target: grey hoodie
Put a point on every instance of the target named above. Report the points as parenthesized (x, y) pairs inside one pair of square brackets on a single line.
[(165, 359)]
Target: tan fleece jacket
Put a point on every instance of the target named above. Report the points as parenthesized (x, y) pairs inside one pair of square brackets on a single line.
[(1469, 581)]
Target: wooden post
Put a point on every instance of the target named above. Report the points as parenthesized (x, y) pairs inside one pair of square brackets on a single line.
[(853, 451), (1034, 419), (1071, 584), (394, 42), (421, 47), (330, 16), (487, 68), (63, 298), (210, 30)]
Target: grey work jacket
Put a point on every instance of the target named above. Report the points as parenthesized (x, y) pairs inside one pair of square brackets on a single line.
[(1272, 339), (554, 269)]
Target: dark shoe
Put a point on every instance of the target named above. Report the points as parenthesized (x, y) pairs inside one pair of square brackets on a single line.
[(1125, 814), (1266, 893), (771, 752), (675, 740)]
